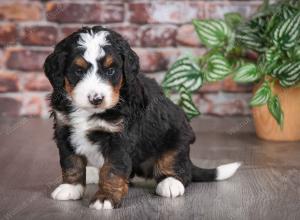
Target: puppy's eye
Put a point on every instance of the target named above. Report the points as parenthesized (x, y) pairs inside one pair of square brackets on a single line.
[(110, 72), (79, 72)]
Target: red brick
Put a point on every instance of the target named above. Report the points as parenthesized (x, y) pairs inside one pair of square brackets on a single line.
[(158, 36), (223, 103), (84, 13), (167, 12), (8, 34), (230, 86), (36, 82), (39, 35), (218, 9), (194, 51), (2, 56), (9, 106), (20, 11), (156, 60), (187, 36), (67, 30), (129, 32), (8, 82), (25, 59), (211, 87)]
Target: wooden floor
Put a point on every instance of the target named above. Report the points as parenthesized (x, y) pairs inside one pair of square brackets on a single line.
[(267, 186)]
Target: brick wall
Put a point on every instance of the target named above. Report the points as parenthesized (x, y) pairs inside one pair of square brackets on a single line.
[(159, 31)]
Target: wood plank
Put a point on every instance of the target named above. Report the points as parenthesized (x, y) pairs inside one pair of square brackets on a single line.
[(266, 187)]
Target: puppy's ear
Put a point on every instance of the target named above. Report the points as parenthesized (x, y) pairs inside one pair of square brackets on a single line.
[(54, 67), (131, 63)]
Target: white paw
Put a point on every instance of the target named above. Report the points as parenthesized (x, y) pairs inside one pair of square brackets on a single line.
[(92, 175), (68, 192), (227, 170), (170, 187), (101, 205)]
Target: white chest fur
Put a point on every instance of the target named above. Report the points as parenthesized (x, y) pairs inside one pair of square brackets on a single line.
[(80, 123)]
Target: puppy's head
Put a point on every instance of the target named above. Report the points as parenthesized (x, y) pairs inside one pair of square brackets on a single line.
[(91, 66)]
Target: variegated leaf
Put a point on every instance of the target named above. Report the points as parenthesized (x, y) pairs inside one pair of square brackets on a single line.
[(288, 74), (186, 103), (183, 72), (275, 109), (246, 74), (212, 33), (262, 95), (286, 35), (250, 39), (217, 68)]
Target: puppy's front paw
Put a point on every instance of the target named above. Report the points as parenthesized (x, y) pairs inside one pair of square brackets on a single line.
[(68, 192), (106, 204), (170, 187)]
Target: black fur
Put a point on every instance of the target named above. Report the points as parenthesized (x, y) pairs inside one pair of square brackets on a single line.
[(153, 125)]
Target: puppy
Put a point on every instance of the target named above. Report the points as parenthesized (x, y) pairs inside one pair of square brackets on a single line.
[(117, 121)]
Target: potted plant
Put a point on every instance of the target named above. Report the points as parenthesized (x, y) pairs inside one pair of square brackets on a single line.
[(264, 50)]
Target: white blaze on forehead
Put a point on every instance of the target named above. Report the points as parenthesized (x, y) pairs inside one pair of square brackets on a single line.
[(92, 83), (93, 43)]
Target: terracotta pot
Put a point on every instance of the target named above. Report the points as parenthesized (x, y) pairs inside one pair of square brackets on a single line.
[(266, 126)]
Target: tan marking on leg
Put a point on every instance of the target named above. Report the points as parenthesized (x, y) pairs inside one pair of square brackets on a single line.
[(164, 164), (112, 187), (76, 172)]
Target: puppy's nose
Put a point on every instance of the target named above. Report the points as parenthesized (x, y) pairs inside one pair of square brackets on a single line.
[(95, 99)]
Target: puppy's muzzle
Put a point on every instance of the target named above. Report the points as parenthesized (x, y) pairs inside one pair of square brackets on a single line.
[(95, 99)]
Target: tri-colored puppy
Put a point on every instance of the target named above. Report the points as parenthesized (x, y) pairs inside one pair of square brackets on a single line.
[(117, 121)]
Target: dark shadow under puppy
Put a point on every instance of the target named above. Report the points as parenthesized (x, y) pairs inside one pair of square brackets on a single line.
[(111, 123)]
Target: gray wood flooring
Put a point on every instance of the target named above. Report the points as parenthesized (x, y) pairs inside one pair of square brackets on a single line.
[(267, 186)]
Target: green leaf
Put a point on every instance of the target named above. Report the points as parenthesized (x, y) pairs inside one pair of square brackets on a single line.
[(288, 73), (295, 3), (286, 35), (272, 57), (294, 53), (183, 72), (287, 11), (186, 103), (233, 19), (297, 52), (217, 68), (273, 54), (212, 33), (262, 95), (246, 74), (275, 109), (249, 38)]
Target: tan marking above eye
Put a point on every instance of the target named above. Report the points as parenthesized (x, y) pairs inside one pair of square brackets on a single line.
[(80, 61), (108, 61)]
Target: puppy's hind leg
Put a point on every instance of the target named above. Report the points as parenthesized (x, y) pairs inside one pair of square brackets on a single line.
[(171, 175)]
